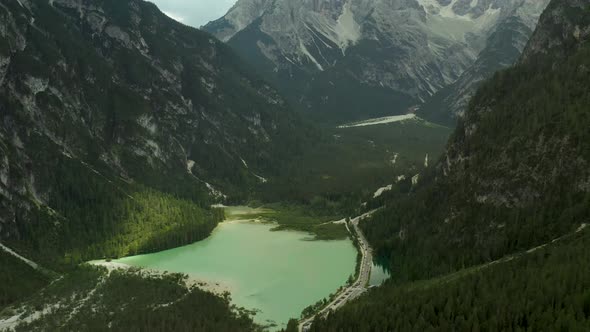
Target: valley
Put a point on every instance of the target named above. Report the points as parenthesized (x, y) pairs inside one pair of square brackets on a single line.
[(259, 267), (295, 229), (353, 161), (248, 260)]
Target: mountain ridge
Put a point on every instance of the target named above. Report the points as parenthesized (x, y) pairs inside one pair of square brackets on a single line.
[(394, 52), (514, 180), (106, 102)]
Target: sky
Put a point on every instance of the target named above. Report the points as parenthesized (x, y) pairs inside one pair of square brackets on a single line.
[(194, 12)]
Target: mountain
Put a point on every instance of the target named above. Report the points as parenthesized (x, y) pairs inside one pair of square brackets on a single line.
[(502, 50), (515, 173), (119, 125), (346, 60), (565, 30), (503, 216)]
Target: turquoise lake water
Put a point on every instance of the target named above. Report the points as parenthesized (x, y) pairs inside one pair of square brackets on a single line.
[(278, 273)]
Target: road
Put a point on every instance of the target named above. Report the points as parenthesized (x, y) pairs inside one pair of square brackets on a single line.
[(358, 287)]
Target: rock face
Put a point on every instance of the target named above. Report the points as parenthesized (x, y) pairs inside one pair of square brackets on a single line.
[(131, 95), (503, 48), (534, 135), (392, 53), (515, 172), (565, 28)]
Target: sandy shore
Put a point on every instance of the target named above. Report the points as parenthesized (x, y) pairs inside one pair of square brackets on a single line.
[(214, 287)]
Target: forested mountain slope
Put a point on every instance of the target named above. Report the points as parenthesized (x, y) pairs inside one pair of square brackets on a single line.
[(119, 127), (96, 299), (515, 173), (545, 290), (354, 59), (17, 279), (515, 176)]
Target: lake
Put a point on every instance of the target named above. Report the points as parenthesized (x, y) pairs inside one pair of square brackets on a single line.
[(379, 274), (278, 273)]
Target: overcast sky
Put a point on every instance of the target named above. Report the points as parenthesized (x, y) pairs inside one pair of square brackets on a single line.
[(194, 12)]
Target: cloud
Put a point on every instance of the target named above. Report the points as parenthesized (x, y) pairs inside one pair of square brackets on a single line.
[(194, 12)]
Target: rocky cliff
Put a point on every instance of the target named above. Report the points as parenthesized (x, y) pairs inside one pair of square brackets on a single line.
[(503, 48), (391, 54), (131, 95)]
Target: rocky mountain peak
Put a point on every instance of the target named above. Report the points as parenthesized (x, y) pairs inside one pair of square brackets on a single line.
[(564, 26), (407, 48)]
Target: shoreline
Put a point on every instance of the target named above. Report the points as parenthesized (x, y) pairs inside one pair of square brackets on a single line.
[(215, 287), (360, 284)]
